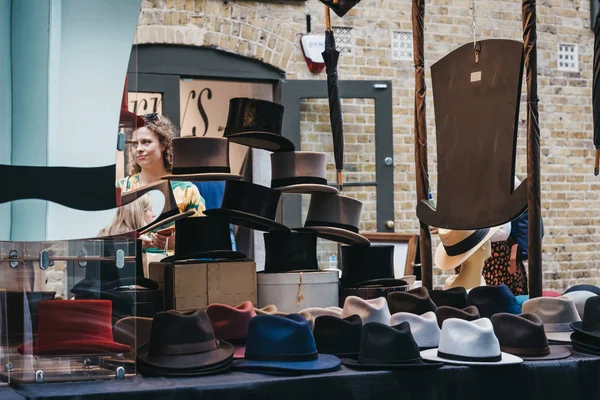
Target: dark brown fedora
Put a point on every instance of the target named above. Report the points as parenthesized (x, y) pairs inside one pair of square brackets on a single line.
[(300, 172), (416, 301), (470, 313), (256, 123), (523, 335), (201, 159), (249, 205), (335, 217), (454, 297)]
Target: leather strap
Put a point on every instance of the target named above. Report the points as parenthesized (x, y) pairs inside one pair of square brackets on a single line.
[(466, 244), (379, 361), (185, 348)]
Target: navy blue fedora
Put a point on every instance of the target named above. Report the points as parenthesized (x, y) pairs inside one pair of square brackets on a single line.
[(589, 288), (491, 300), (283, 344)]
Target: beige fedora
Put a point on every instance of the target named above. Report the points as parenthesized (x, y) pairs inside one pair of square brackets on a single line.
[(556, 313), (457, 246)]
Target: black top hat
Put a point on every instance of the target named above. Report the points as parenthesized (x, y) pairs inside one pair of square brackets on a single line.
[(368, 265), (337, 336), (335, 217), (523, 335), (256, 123), (201, 159), (588, 330), (183, 341), (416, 301), (300, 172), (454, 297), (476, 111), (290, 252), (386, 347), (470, 313), (202, 237), (249, 205)]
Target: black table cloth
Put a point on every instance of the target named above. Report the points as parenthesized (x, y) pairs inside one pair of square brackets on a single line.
[(577, 377)]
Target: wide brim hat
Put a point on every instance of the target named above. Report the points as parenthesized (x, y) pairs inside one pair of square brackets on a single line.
[(147, 370), (557, 314), (557, 352), (471, 243), (355, 364), (507, 359), (186, 361), (323, 363), (209, 254), (339, 235)]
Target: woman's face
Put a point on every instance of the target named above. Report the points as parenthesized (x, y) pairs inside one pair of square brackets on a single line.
[(147, 148), (149, 215)]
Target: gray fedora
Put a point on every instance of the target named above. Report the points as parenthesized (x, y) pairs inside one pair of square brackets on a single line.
[(300, 172), (556, 313), (201, 159), (335, 217)]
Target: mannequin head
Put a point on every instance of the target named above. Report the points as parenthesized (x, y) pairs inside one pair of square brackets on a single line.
[(471, 270)]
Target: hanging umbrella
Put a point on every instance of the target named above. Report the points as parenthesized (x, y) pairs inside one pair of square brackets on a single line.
[(596, 93), (340, 7), (331, 56)]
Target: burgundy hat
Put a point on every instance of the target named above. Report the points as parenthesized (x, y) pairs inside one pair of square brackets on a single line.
[(231, 324)]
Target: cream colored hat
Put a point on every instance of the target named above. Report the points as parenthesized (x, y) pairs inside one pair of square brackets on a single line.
[(556, 314), (457, 246), (424, 328), (316, 312), (373, 310)]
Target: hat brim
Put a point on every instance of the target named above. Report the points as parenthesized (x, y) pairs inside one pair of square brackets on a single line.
[(507, 359), (207, 177), (146, 370), (132, 330), (559, 337), (307, 188), (382, 282), (354, 364), (262, 140), (135, 120), (445, 262), (247, 220), (581, 347), (323, 363), (168, 220), (212, 254), (557, 352), (578, 327), (186, 361), (336, 234), (74, 347)]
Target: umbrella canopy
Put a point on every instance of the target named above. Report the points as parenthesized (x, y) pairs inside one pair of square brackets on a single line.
[(340, 7), (596, 92)]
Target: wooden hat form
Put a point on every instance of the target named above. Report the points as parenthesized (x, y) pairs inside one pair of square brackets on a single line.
[(476, 111)]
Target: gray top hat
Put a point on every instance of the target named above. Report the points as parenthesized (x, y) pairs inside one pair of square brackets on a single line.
[(299, 172), (201, 159), (335, 217)]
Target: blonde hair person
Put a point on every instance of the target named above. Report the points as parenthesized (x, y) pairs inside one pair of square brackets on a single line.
[(131, 217)]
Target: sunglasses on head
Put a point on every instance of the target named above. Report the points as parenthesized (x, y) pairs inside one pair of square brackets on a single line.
[(152, 117)]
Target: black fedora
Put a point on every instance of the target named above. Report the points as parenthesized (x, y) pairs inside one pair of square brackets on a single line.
[(183, 341), (386, 347), (470, 313), (249, 205), (290, 252), (300, 172), (256, 123), (588, 330), (368, 265), (202, 237), (454, 297), (338, 336)]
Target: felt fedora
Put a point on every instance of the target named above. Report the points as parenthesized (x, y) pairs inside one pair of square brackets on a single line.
[(556, 313), (470, 313), (231, 324), (372, 310), (249, 205), (386, 347), (132, 331), (588, 288), (582, 344), (201, 159), (424, 327), (334, 217), (490, 300), (288, 251), (454, 297), (183, 341), (203, 237), (273, 310), (589, 329), (256, 123), (522, 298), (338, 336), (284, 344), (317, 312), (457, 246), (368, 265), (416, 301), (300, 172), (371, 291), (71, 327), (580, 297), (469, 343), (523, 335)]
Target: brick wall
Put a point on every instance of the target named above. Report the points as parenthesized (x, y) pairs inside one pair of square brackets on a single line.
[(270, 32)]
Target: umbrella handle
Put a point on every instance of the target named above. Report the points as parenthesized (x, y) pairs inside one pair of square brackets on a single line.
[(327, 18), (597, 163)]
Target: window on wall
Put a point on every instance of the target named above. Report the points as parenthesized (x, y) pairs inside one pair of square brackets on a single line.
[(568, 57), (344, 39), (402, 46)]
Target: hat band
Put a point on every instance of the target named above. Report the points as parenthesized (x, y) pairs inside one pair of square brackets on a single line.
[(185, 348), (562, 327), (380, 361), (281, 357), (456, 357), (526, 352), (297, 180), (199, 170), (467, 243), (347, 227)]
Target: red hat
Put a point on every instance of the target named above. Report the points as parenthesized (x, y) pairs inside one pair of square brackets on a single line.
[(74, 327), (231, 324), (128, 118)]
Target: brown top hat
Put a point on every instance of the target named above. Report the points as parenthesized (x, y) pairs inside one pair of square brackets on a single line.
[(523, 335), (249, 205), (335, 217), (470, 313), (416, 301), (256, 123), (300, 172), (201, 159)]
